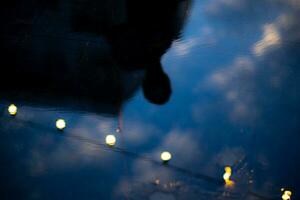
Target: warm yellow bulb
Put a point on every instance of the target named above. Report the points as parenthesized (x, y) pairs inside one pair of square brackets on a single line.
[(287, 195), (12, 109), (228, 169), (165, 156), (227, 174), (226, 177), (110, 140), (60, 124)]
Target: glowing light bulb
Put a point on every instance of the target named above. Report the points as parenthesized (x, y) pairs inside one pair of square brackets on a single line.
[(227, 176), (12, 109), (287, 195), (110, 140), (60, 124), (165, 156)]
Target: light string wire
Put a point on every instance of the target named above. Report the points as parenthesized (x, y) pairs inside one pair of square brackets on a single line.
[(102, 146)]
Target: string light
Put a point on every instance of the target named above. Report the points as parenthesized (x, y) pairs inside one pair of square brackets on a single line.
[(226, 177), (60, 124), (165, 156), (110, 140), (286, 195), (12, 109)]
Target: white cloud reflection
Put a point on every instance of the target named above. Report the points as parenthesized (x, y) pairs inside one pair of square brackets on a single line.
[(205, 38), (270, 40), (236, 82), (72, 147), (182, 48), (242, 81)]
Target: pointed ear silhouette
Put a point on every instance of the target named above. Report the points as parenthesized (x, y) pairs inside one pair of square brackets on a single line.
[(156, 84)]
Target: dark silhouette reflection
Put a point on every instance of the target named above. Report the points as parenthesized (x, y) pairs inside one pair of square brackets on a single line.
[(86, 50), (156, 84)]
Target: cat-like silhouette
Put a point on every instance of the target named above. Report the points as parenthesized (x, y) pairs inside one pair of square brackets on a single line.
[(99, 51)]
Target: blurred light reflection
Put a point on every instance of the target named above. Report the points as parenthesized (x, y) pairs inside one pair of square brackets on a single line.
[(110, 140), (287, 195), (226, 177), (165, 156), (12, 109), (60, 124)]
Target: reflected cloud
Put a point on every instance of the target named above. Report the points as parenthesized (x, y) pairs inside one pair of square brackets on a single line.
[(218, 6), (137, 133), (223, 77), (149, 179), (154, 178), (235, 81), (270, 40), (182, 48), (244, 14), (184, 149), (65, 150), (242, 81)]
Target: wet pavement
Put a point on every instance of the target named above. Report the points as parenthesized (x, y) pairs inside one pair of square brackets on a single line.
[(215, 83)]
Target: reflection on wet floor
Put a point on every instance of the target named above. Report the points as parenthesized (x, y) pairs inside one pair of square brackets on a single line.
[(157, 188), (118, 99)]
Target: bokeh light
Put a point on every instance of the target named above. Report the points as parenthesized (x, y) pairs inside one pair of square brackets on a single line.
[(226, 177), (110, 140), (60, 124), (12, 109), (287, 195), (165, 156)]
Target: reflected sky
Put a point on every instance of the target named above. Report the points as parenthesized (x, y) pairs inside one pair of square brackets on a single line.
[(235, 93)]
